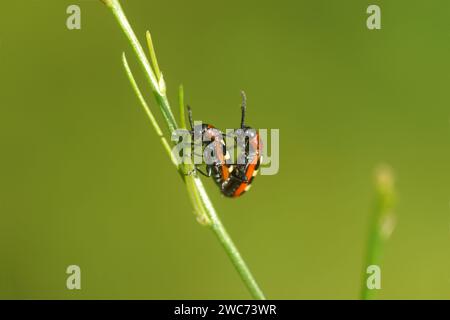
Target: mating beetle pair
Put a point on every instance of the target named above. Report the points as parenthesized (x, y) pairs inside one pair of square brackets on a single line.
[(233, 179)]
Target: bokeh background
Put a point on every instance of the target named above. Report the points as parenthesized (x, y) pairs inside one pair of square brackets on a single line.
[(85, 180)]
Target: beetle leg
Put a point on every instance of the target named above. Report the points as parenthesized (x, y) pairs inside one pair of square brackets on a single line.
[(207, 174), (197, 169)]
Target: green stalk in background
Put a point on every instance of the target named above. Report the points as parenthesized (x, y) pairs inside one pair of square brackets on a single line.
[(203, 207), (381, 225)]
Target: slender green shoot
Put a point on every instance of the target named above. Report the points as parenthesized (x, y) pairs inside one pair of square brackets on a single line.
[(382, 225), (153, 58), (188, 170), (147, 109), (157, 86)]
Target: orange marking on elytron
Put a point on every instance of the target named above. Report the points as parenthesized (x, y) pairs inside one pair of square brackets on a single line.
[(225, 173), (219, 152), (244, 185), (251, 167), (221, 156)]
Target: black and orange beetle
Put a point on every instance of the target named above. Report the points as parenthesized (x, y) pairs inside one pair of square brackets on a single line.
[(241, 174), (212, 138), (232, 179)]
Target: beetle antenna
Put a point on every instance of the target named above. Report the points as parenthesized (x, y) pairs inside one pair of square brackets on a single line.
[(190, 117), (243, 108)]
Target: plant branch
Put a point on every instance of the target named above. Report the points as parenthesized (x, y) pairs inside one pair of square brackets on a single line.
[(204, 209), (147, 110), (153, 58), (158, 88), (381, 226)]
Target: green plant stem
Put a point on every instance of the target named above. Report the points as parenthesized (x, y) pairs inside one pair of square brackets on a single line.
[(381, 225), (147, 110), (153, 58), (204, 209), (160, 95)]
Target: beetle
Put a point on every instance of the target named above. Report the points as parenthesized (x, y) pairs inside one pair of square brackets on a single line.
[(212, 142), (241, 175), (234, 179)]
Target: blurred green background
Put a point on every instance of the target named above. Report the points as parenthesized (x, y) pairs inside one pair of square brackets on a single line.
[(85, 180)]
